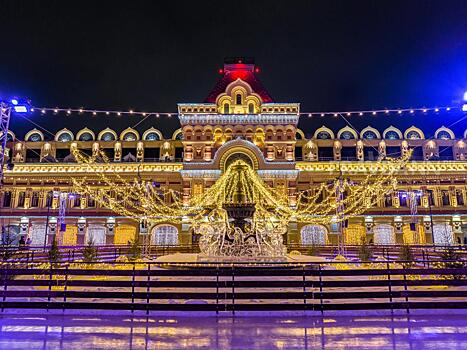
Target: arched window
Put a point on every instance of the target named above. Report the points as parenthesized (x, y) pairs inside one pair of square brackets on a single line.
[(298, 136), (96, 233), (226, 108), (313, 235), (392, 135), (384, 234), (152, 136), (108, 136), (179, 136), (9, 137), (35, 137), (443, 135), (165, 235), (64, 137), (369, 135), (347, 135), (413, 135), (129, 136), (251, 108), (323, 135), (238, 99), (442, 234), (86, 136)]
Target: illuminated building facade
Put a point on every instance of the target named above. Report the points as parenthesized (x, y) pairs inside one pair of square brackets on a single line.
[(239, 119)]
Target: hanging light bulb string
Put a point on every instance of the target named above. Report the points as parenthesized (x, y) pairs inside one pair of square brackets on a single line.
[(104, 112), (432, 137)]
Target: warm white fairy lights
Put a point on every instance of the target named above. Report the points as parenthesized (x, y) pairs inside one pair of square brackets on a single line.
[(374, 112)]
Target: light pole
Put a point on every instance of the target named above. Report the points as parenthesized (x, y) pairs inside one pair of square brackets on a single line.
[(6, 107)]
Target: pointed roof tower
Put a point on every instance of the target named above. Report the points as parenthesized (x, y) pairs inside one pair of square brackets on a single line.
[(242, 68)]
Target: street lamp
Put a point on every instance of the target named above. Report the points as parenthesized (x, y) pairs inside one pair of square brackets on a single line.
[(6, 107)]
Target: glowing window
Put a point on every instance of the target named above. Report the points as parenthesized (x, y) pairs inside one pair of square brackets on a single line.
[(347, 135), (108, 136), (392, 135), (323, 135), (165, 235), (443, 135), (35, 137), (153, 136), (384, 234), (64, 137), (413, 135), (369, 135), (313, 235), (85, 136), (442, 234), (129, 136)]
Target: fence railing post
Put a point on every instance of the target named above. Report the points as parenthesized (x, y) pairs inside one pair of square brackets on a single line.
[(405, 290), (217, 289), (133, 288), (304, 288), (233, 289), (65, 288), (148, 288), (5, 284), (50, 286), (389, 286), (320, 289)]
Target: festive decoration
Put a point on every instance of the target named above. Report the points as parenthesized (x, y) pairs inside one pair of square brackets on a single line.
[(239, 215), (104, 112)]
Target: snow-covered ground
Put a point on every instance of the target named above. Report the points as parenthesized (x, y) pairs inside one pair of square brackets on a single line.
[(41, 330)]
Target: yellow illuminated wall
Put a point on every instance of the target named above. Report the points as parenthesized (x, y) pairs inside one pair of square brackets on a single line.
[(414, 237), (70, 235), (354, 234), (124, 234)]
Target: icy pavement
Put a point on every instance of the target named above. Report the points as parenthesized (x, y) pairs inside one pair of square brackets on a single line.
[(39, 330)]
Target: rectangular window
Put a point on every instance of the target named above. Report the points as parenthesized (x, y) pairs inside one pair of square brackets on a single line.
[(387, 200), (7, 199), (459, 197), (21, 199), (445, 198), (91, 202), (49, 199), (35, 200)]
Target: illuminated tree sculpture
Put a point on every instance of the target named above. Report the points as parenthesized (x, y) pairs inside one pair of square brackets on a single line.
[(240, 215)]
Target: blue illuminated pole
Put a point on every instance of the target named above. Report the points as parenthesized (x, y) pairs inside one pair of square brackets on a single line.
[(5, 112), (6, 107)]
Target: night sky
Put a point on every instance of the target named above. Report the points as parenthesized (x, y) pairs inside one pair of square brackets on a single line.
[(327, 55)]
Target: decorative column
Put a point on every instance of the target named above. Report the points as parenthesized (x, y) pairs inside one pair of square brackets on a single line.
[(337, 150), (382, 149), (207, 153), (270, 152), (117, 151), (360, 154), (110, 234), (140, 151), (81, 236)]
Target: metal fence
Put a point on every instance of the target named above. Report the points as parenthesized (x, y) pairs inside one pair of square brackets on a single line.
[(108, 253), (234, 287)]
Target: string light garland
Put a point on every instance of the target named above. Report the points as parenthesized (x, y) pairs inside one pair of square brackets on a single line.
[(144, 200), (385, 111)]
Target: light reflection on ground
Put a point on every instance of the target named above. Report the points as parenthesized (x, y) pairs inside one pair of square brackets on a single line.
[(42, 331)]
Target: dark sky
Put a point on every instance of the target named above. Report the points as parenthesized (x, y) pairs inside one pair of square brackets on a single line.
[(149, 55)]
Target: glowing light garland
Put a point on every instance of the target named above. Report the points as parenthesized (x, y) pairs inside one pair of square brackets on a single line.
[(104, 112), (143, 200)]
